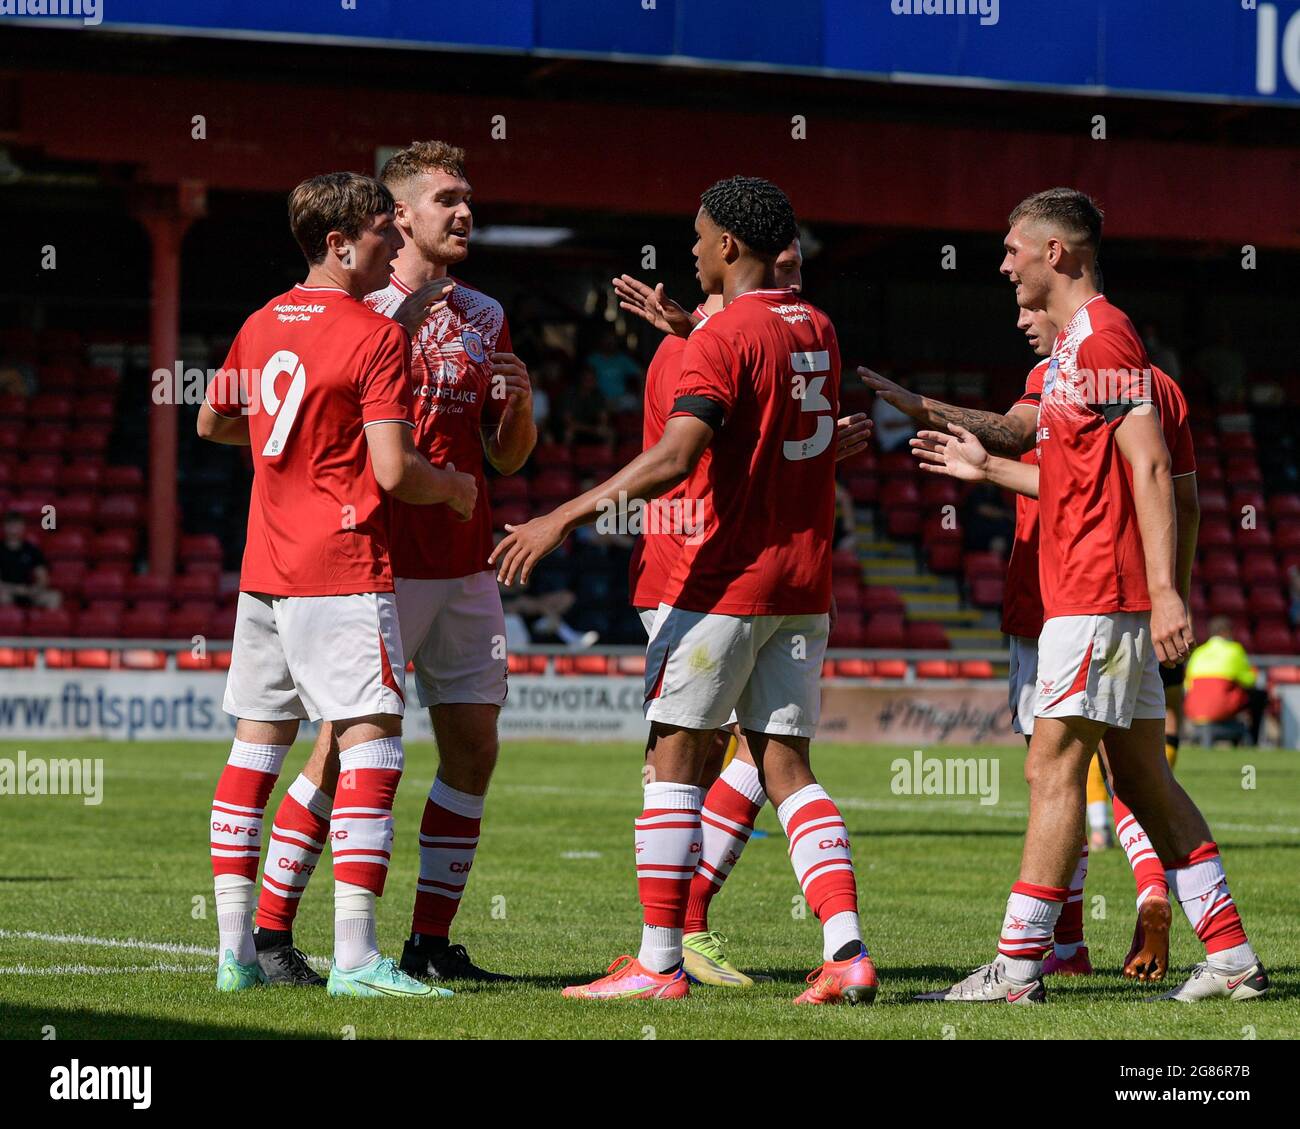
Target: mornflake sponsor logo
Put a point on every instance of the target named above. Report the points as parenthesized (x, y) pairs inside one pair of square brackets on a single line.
[(42, 776), (75, 1082), (88, 11), (987, 10)]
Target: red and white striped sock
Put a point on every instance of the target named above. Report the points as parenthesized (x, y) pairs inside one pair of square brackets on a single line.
[(449, 834), (235, 840), (1201, 887), (1148, 870), (668, 843), (730, 808), (361, 838), (1031, 916), (1068, 934), (823, 864), (298, 834)]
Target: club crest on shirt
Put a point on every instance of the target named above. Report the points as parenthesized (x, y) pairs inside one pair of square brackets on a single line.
[(473, 342), (1049, 377)]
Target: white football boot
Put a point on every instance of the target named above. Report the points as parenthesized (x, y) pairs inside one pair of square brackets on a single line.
[(1207, 982), (990, 984)]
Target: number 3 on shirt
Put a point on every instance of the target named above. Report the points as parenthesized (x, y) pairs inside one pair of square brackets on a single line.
[(285, 411), (812, 400)]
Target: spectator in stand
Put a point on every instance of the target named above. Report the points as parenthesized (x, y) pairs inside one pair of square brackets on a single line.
[(612, 367), (1221, 682), (1222, 364), (1293, 587), (24, 573), (988, 523), (586, 414)]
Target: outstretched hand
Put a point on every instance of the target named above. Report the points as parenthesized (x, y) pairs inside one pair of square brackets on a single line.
[(959, 455), (653, 305)]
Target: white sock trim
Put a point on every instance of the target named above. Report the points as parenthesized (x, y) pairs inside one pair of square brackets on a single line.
[(383, 752), (464, 804), (743, 777), (795, 801), (674, 797), (260, 758), (838, 930), (311, 797)]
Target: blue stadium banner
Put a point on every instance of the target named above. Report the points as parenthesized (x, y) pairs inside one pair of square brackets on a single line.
[(1223, 50)]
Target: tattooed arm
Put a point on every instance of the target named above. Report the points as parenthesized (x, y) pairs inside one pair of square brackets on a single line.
[(1011, 434)]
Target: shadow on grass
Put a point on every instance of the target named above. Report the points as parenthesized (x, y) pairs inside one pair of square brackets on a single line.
[(23, 1021)]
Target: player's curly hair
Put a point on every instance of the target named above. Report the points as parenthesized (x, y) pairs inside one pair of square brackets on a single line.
[(1073, 211), (754, 210), (335, 201), (421, 157)]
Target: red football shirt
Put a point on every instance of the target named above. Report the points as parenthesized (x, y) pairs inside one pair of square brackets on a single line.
[(766, 372), (660, 541), (1022, 604), (1090, 548), (451, 374), (1022, 607), (315, 368)]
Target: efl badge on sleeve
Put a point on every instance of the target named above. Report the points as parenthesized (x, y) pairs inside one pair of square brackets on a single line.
[(473, 343), (1049, 378)]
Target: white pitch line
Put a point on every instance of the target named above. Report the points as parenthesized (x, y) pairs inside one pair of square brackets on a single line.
[(125, 943)]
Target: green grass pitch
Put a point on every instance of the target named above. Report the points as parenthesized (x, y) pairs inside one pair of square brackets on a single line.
[(552, 899)]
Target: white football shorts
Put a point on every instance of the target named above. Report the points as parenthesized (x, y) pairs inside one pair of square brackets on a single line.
[(454, 632), (315, 657), (700, 666), (1102, 667)]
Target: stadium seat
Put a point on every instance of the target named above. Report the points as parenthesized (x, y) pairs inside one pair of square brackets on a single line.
[(881, 598), (76, 509), (223, 624), (50, 407), (139, 658), (13, 621), (1219, 568), (581, 664), (885, 632), (1267, 602), (936, 668), (46, 622), (630, 664), (146, 586), (1275, 639), (120, 510), (99, 624), (985, 564), (512, 514), (145, 622), (1214, 534), (12, 408), (552, 456), (508, 488), (37, 475), (188, 621), (113, 545), (91, 658), (944, 557), (927, 636), (44, 440), (195, 586), (13, 657), (106, 584), (1214, 503), (1283, 675), (1256, 568), (221, 660), (123, 478), (855, 668), (848, 633), (891, 668), (1226, 599), (187, 660), (988, 592), (975, 668), (1282, 506), (902, 520), (67, 544), (844, 562), (200, 547)]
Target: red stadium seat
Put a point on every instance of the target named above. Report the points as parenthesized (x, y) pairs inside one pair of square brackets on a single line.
[(223, 624), (91, 658), (89, 439), (1275, 639), (1283, 675), (891, 668), (885, 632), (631, 664), (82, 476), (114, 545), (988, 592), (847, 593), (50, 407), (844, 562), (581, 664), (975, 668), (903, 524), (1219, 568), (195, 586), (880, 598), (126, 479), (1280, 506), (12, 408), (1226, 599), (1237, 443), (145, 622), (59, 659), (508, 488), (1214, 534), (146, 586), (120, 510), (936, 668), (1287, 537), (1257, 568), (848, 633), (67, 544), (99, 624), (187, 660), (201, 547), (44, 440), (944, 557), (513, 514), (37, 476), (11, 657), (46, 622), (927, 636), (985, 564), (863, 485), (221, 660), (551, 456), (896, 492), (1214, 503), (185, 623), (1241, 470), (106, 584), (13, 621), (138, 658), (1267, 602), (855, 668)]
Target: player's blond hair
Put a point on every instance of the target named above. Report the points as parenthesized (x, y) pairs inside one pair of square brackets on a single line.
[(1074, 212), (337, 201), (422, 157)]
